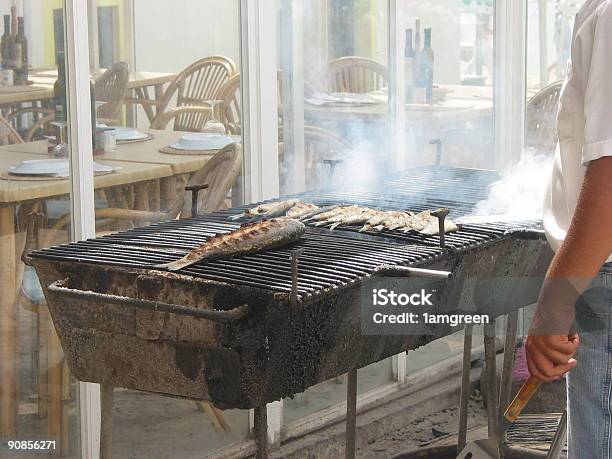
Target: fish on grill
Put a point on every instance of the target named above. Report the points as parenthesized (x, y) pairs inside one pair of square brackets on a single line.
[(351, 215), (250, 238), (356, 218), (301, 209), (269, 210), (433, 228), (320, 210), (323, 217)]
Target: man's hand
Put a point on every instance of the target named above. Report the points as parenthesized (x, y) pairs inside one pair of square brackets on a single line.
[(550, 357)]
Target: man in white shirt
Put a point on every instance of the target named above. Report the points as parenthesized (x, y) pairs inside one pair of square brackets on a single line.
[(578, 222)]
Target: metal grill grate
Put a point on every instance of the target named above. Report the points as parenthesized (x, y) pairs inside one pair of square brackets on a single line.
[(329, 259)]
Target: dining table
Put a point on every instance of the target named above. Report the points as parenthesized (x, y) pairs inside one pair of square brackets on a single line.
[(429, 127), (155, 178), (145, 86), (460, 103)]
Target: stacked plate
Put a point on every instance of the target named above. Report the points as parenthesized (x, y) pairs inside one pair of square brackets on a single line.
[(343, 98), (204, 142), (128, 134), (51, 168)]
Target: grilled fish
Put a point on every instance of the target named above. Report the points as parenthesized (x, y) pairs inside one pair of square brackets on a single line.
[(324, 218), (300, 209), (373, 221), (269, 210), (354, 219), (250, 238), (320, 210), (434, 228), (417, 222)]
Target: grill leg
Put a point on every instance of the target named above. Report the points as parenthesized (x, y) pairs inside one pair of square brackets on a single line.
[(106, 424), (509, 353), (351, 414), (465, 387), (260, 428), (506, 378), (491, 375), (559, 440)]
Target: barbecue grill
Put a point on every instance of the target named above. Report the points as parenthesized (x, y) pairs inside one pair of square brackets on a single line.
[(246, 331)]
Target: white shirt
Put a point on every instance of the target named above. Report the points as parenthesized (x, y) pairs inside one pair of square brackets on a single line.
[(584, 121)]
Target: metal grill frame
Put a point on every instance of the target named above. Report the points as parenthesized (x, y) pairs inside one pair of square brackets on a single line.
[(289, 341)]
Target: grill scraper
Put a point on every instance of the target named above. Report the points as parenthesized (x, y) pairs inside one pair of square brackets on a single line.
[(489, 448)]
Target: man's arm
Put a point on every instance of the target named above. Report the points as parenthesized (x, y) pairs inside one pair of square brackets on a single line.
[(587, 246)]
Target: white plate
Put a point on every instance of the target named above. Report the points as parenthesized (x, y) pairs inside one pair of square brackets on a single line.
[(203, 141), (447, 105), (346, 98), (51, 167), (128, 133)]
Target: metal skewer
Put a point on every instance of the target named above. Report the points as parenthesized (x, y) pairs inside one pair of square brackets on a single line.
[(295, 259), (441, 214)]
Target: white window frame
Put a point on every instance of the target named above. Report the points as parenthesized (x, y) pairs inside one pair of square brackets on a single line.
[(258, 64), (510, 80), (291, 49), (397, 82), (82, 185), (259, 91)]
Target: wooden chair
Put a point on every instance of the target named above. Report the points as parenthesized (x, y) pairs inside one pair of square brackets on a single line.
[(41, 118), (111, 88), (162, 120), (194, 87), (356, 75), (231, 109), (216, 178), (8, 134), (541, 119), (323, 150)]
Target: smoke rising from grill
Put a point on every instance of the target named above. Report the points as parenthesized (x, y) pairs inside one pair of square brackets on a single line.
[(519, 194)]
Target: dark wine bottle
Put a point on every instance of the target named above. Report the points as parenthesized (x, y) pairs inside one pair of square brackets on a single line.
[(17, 58), (410, 66), (13, 20), (97, 149), (426, 66), (20, 44), (5, 42), (59, 90)]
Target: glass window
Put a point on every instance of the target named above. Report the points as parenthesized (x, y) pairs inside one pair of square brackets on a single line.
[(549, 34), (337, 131), (549, 38), (455, 125), (165, 71), (38, 400), (333, 58), (157, 74)]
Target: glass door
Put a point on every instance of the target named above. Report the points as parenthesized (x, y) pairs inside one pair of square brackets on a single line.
[(167, 89), (39, 410)]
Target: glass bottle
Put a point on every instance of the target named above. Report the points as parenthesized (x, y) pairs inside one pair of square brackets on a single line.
[(410, 63), (426, 67), (5, 42), (20, 44), (59, 90)]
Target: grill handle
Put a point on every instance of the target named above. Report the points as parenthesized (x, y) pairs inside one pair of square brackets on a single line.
[(405, 271), (233, 315)]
